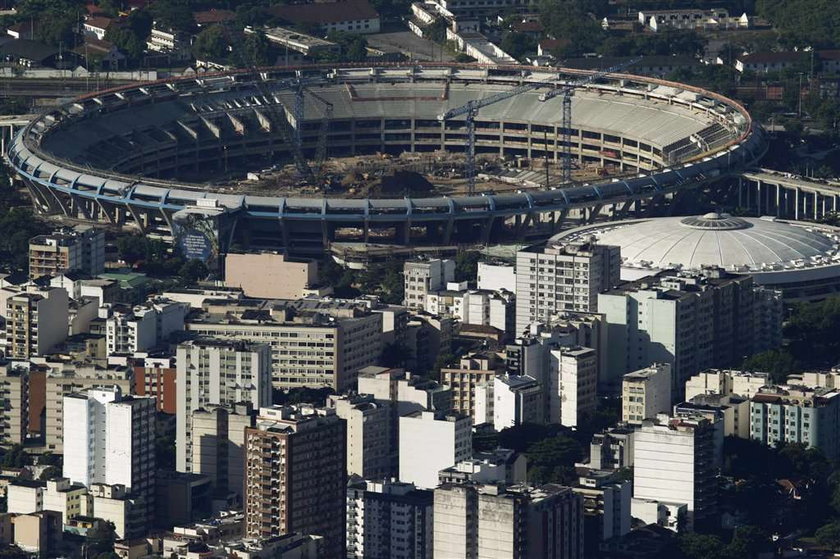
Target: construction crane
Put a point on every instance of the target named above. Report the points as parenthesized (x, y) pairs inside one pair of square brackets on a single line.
[(470, 109), (295, 128), (566, 125)]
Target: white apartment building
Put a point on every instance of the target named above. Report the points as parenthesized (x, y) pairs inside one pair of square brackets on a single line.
[(68, 499), (691, 320), (431, 441), (675, 462), (221, 373), (572, 391), (130, 330), (424, 276), (111, 442), (406, 392), (498, 521), (67, 380), (496, 276), (646, 393), (369, 434), (508, 401), (314, 351), (552, 278), (726, 382), (388, 519)]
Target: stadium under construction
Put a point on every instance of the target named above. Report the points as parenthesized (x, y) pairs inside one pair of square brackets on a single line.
[(161, 156)]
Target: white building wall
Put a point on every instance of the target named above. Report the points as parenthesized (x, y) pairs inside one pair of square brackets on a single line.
[(663, 465), (428, 445), (22, 499), (505, 409)]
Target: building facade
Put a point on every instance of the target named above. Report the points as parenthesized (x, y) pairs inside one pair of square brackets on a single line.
[(113, 443), (388, 519), (552, 278), (220, 373), (646, 393), (676, 461), (430, 442), (304, 449), (501, 521), (424, 276)]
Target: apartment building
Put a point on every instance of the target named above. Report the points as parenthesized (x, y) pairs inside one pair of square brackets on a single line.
[(388, 519), (727, 382), (112, 443), (572, 388), (425, 276), (693, 321), (430, 442), (217, 435), (552, 278), (70, 379), (155, 376), (369, 434), (646, 393), (36, 322), (305, 447), (797, 414), (676, 461), (473, 370), (14, 395), (78, 249), (314, 343), (219, 373), (508, 521)]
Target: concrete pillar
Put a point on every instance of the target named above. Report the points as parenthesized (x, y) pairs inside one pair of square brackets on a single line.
[(796, 205), (758, 197), (778, 200), (816, 204)]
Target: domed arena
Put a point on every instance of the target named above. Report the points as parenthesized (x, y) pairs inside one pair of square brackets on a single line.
[(801, 259), (172, 152)]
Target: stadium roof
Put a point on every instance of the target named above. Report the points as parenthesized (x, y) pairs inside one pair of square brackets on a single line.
[(716, 240)]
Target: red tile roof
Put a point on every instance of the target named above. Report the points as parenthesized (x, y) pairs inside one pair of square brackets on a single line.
[(210, 17), (328, 12), (99, 22)]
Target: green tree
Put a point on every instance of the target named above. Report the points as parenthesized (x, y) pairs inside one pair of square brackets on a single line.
[(778, 362), (173, 14), (518, 44), (125, 39), (211, 43), (16, 457), (466, 265), (829, 535), (748, 541), (50, 459), (253, 50), (553, 460), (56, 30), (701, 546), (50, 472), (570, 20), (100, 539), (193, 271)]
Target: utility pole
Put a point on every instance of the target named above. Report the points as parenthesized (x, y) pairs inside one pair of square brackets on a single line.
[(799, 111)]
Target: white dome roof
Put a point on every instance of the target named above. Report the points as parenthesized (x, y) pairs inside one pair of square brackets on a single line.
[(715, 240)]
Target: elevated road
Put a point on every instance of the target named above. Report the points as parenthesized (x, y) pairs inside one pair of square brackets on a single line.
[(785, 195)]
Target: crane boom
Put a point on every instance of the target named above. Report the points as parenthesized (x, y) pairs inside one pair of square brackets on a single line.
[(566, 124), (470, 109)]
